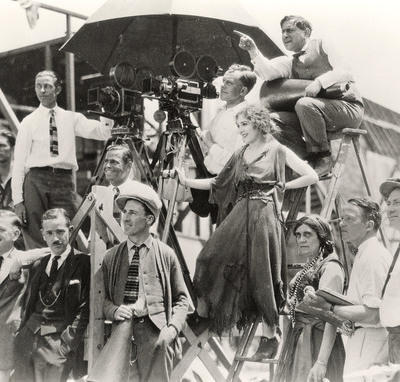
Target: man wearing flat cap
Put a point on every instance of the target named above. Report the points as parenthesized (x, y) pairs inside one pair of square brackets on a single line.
[(144, 283), (390, 307)]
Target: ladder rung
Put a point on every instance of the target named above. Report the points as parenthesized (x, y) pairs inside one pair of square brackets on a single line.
[(246, 359), (354, 131), (326, 176)]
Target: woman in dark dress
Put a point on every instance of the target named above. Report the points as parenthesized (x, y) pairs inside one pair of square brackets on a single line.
[(312, 349), (240, 272)]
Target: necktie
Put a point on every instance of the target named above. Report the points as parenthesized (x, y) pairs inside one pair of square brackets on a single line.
[(53, 135), (298, 54), (131, 292), (54, 268), (116, 211)]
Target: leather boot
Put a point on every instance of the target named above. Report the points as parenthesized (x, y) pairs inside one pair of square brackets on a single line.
[(267, 349)]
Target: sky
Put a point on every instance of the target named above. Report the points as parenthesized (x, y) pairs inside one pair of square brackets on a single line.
[(364, 32)]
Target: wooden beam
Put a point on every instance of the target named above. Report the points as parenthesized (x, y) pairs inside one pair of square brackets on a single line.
[(8, 113)]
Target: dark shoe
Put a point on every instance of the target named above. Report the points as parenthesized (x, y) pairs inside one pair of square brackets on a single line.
[(267, 349), (323, 166)]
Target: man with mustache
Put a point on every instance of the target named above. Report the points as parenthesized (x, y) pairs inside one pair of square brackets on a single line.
[(389, 309), (314, 60), (45, 157), (7, 143), (50, 342)]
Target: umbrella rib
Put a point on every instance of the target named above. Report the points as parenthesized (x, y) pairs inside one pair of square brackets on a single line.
[(116, 44), (221, 25)]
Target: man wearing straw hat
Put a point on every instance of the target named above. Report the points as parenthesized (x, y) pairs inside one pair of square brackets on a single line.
[(144, 285)]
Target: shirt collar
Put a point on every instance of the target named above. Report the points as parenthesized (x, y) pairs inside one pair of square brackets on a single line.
[(46, 110), (7, 254), (8, 177), (235, 108), (63, 256), (366, 243), (304, 48), (147, 243)]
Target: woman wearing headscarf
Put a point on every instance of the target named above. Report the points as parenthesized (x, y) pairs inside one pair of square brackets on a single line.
[(312, 349)]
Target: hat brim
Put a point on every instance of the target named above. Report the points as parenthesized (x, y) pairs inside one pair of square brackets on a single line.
[(387, 187), (121, 201)]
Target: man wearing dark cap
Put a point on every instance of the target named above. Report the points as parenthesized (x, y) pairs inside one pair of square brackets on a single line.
[(144, 283), (390, 306)]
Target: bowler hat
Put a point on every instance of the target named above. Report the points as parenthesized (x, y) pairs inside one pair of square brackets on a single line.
[(388, 186), (142, 193)]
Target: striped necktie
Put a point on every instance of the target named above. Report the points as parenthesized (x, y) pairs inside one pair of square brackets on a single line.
[(53, 135), (131, 291), (116, 210)]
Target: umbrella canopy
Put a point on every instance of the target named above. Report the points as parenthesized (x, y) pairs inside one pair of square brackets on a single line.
[(148, 33)]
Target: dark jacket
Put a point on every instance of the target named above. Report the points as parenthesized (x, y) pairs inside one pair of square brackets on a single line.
[(75, 290)]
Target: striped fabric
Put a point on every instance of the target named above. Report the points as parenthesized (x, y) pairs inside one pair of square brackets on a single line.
[(116, 210), (53, 135), (131, 292)]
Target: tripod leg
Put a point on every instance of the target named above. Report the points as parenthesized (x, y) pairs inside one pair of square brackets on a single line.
[(171, 205)]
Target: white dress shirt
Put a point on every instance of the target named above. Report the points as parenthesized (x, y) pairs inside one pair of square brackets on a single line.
[(390, 305), (368, 275), (8, 260), (222, 137), (281, 67), (32, 148), (126, 187), (60, 261)]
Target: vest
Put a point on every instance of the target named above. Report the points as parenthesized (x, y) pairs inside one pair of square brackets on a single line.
[(49, 314), (316, 62)]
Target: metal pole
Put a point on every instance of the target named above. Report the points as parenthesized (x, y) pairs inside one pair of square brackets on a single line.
[(70, 71), (63, 11), (8, 113)]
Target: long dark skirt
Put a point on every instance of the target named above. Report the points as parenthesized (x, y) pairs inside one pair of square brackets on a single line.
[(300, 352), (241, 269)]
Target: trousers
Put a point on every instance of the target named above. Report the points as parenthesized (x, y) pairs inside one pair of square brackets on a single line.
[(394, 344), (44, 190), (306, 129), (366, 347)]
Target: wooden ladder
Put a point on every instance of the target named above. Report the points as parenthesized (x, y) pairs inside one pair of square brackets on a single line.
[(349, 137)]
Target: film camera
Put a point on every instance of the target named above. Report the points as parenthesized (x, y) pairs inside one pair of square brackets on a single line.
[(116, 99), (189, 84)]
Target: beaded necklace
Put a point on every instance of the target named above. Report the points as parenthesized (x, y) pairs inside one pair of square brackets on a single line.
[(294, 288)]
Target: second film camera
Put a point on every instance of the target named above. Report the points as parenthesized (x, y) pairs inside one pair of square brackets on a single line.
[(115, 98), (190, 82)]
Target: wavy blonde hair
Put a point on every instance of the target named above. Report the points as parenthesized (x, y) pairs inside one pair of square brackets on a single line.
[(258, 116)]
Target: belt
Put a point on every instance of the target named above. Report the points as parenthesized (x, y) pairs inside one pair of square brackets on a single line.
[(53, 170)]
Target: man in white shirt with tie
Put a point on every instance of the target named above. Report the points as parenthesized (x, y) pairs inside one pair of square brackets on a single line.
[(390, 307), (45, 157), (119, 169), (361, 219)]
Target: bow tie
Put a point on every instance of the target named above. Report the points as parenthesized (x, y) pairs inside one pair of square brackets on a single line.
[(298, 54)]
